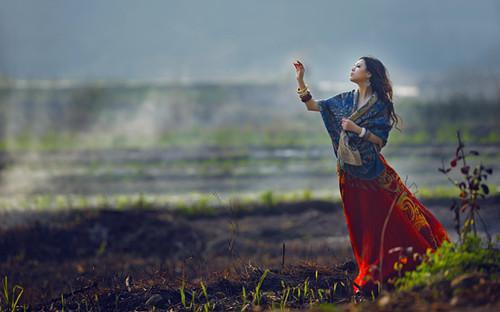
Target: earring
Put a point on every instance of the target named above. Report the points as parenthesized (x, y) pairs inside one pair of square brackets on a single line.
[(367, 83)]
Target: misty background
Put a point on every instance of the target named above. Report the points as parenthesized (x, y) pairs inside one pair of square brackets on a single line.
[(121, 98)]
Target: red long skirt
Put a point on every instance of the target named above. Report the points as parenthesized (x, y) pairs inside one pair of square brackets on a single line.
[(410, 225)]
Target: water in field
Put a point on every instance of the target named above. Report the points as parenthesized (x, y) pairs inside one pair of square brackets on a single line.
[(208, 170)]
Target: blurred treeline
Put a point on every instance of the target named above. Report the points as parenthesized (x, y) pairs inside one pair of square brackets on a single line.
[(127, 115)]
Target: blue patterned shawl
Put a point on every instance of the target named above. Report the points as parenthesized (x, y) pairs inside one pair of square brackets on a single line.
[(376, 119)]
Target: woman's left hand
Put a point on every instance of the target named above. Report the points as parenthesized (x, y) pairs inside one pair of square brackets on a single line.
[(349, 125)]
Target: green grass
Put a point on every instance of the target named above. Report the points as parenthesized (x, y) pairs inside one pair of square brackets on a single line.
[(280, 135), (10, 297), (190, 203), (195, 203), (451, 260)]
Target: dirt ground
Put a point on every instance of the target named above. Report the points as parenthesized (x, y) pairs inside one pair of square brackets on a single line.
[(82, 251)]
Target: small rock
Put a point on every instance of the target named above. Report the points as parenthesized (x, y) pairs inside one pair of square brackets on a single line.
[(384, 301), (467, 280), (220, 295), (128, 283), (154, 300), (455, 301)]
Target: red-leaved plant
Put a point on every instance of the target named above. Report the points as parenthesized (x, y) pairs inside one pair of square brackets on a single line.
[(471, 189)]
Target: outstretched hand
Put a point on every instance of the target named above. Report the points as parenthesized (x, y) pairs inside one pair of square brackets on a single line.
[(299, 69)]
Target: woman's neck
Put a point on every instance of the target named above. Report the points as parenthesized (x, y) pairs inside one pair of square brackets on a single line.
[(364, 91)]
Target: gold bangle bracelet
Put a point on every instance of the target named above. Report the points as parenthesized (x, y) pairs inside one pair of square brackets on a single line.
[(302, 94), (303, 91), (299, 90)]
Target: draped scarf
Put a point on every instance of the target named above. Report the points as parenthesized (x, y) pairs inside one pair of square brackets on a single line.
[(374, 116)]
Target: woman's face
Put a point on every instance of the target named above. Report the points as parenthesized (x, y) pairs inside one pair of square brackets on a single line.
[(359, 73)]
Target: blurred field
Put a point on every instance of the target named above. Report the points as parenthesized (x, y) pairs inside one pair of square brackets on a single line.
[(81, 145)]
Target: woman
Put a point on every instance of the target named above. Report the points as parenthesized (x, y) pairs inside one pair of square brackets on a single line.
[(381, 212)]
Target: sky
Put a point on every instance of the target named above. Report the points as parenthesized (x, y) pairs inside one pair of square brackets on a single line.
[(224, 40)]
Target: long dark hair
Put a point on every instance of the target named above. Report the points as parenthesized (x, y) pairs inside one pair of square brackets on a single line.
[(381, 84)]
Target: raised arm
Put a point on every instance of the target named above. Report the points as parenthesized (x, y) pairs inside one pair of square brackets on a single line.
[(311, 104)]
